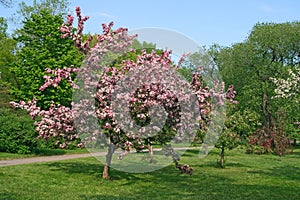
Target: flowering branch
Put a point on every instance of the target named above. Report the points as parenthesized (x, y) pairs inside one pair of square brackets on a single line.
[(58, 75), (289, 87)]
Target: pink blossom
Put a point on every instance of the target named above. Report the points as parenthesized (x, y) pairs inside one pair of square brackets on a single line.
[(59, 121)]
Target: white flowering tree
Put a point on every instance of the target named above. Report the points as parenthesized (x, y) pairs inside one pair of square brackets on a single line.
[(288, 91), (288, 88)]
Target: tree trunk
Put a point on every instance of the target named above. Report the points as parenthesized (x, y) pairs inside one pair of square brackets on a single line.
[(150, 148), (222, 159), (269, 120), (111, 150), (264, 110), (206, 149)]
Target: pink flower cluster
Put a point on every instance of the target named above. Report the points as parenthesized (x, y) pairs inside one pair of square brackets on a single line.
[(68, 31), (114, 38), (30, 106), (57, 76), (57, 122), (158, 84), (149, 93)]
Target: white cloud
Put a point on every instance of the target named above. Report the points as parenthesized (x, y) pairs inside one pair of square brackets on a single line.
[(106, 15), (266, 8)]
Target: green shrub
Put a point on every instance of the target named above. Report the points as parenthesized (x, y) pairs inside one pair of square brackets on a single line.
[(17, 131), (51, 143)]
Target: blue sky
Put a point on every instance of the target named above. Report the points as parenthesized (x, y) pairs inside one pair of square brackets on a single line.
[(206, 22)]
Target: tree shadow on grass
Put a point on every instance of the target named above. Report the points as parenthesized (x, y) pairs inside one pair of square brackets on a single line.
[(235, 164), (218, 188), (104, 197), (195, 152), (87, 168), (294, 154), (7, 196), (286, 172), (216, 164), (72, 167), (168, 183)]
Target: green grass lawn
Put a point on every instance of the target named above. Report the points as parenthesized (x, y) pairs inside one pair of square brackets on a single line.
[(245, 177)]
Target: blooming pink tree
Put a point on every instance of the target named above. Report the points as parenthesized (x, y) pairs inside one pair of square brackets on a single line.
[(115, 105), (57, 122)]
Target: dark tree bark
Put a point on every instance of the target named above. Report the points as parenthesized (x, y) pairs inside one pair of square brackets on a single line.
[(222, 159), (111, 150)]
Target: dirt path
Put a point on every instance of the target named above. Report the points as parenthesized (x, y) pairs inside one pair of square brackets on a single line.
[(21, 161), (4, 163)]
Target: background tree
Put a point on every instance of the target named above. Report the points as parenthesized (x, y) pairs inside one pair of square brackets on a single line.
[(228, 140), (288, 90), (234, 130), (7, 56), (41, 47), (6, 3), (268, 51), (273, 140), (17, 134), (55, 7)]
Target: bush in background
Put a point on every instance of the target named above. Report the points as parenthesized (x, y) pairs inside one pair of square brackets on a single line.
[(17, 131)]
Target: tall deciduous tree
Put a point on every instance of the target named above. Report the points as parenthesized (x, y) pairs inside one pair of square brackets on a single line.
[(237, 127), (55, 7), (288, 90), (41, 47), (7, 46), (268, 51), (103, 83)]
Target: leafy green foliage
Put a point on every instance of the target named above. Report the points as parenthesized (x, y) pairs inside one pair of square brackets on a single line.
[(17, 132), (229, 137), (55, 7), (42, 47), (187, 73), (3, 27), (132, 55), (246, 177), (244, 123), (269, 51), (7, 46), (145, 45)]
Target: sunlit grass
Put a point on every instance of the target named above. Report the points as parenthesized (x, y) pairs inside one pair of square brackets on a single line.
[(245, 177)]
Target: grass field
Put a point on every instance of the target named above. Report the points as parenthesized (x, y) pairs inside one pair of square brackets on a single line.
[(245, 177)]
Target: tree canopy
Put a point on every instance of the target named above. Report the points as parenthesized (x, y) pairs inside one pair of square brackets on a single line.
[(54, 7), (41, 47), (270, 50)]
